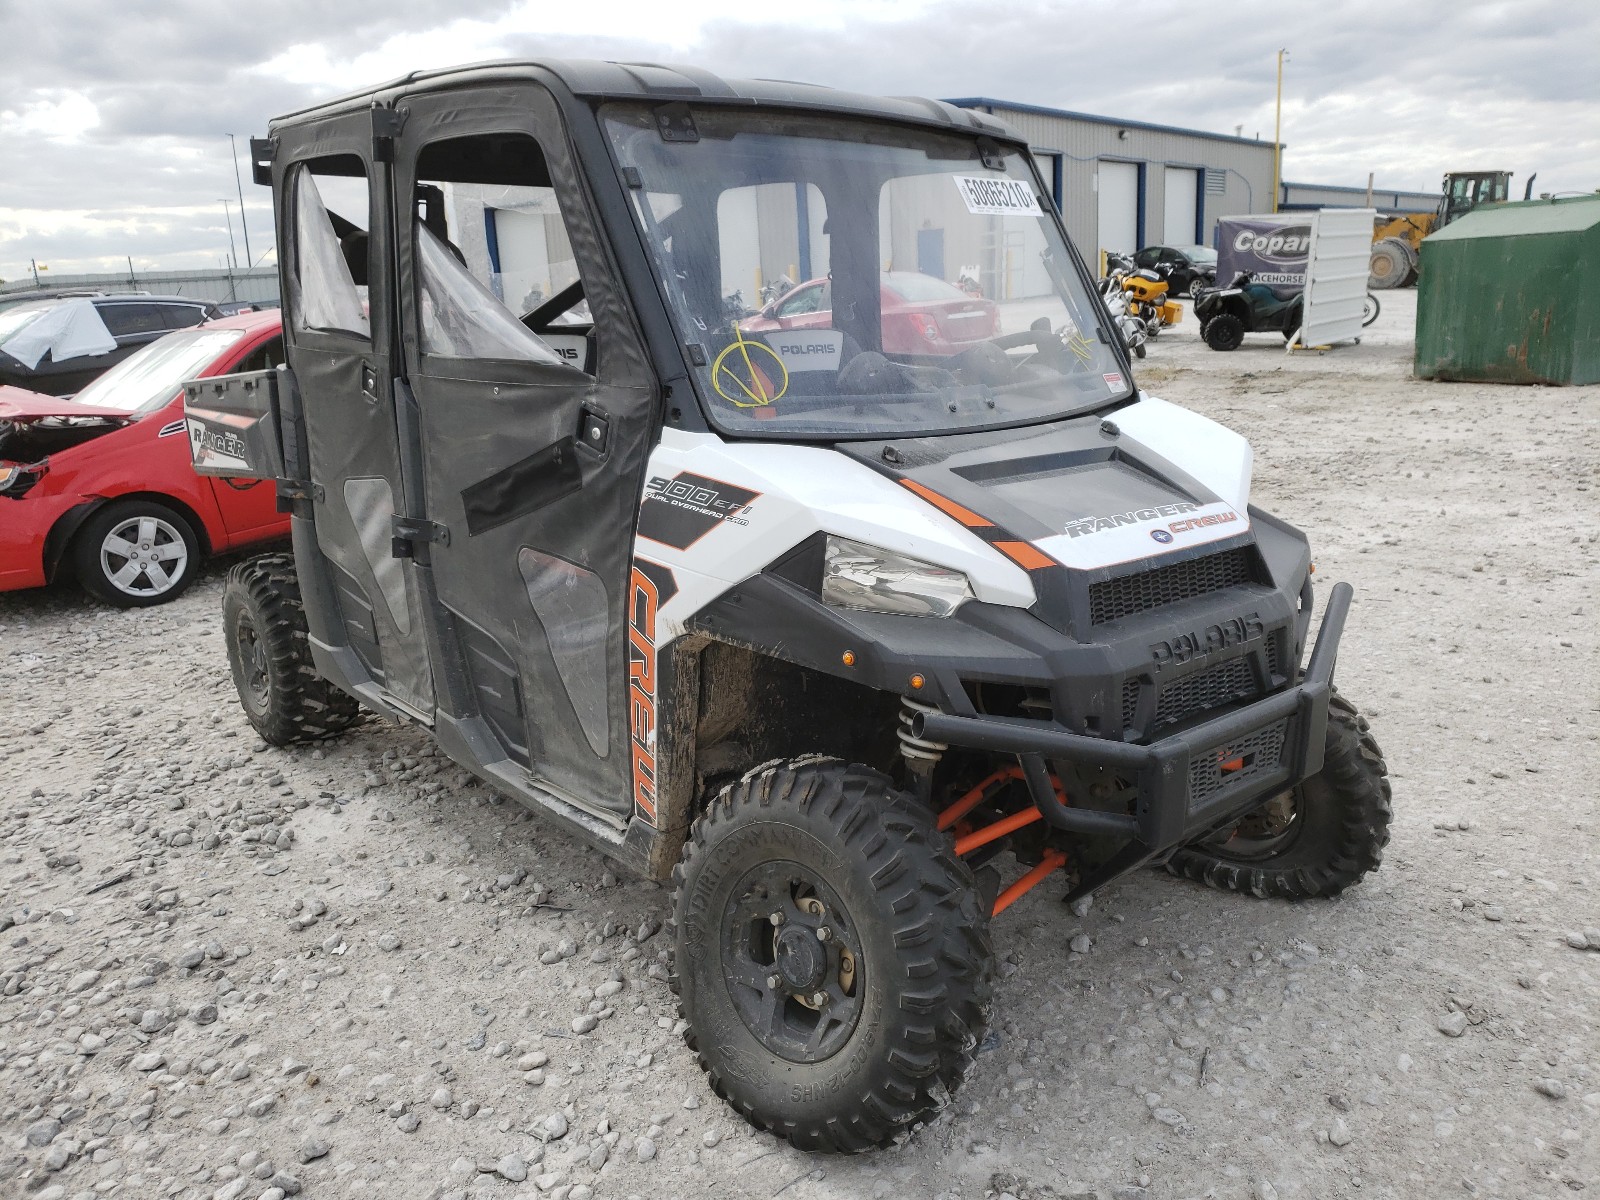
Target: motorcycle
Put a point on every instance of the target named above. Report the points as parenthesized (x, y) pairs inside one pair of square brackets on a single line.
[(734, 307), (1132, 328), (1144, 293), (776, 289), (1147, 300)]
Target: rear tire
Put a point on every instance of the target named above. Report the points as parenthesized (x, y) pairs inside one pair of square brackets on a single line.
[(1224, 332), (269, 651), (1337, 827), (839, 1041), (136, 553)]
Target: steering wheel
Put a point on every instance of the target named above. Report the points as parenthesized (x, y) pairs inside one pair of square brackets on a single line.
[(541, 318), (1050, 347), (1043, 340)]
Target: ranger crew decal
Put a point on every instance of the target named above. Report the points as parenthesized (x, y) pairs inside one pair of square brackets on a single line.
[(643, 601)]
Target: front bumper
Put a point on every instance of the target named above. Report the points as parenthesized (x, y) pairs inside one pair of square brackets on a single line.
[(22, 536), (1190, 783)]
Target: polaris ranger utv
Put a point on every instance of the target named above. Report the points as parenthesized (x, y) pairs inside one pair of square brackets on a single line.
[(839, 617)]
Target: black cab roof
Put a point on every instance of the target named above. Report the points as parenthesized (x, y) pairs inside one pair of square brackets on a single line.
[(593, 79)]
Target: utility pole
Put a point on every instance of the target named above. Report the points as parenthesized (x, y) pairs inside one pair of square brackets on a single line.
[(240, 185), (226, 212), (34, 263), (1277, 137)]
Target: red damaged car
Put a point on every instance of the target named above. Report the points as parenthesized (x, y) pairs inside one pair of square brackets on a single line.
[(101, 485), (921, 314)]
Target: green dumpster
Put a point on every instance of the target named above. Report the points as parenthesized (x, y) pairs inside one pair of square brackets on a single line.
[(1511, 294)]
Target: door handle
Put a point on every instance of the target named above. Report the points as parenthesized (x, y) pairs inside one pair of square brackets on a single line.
[(369, 382)]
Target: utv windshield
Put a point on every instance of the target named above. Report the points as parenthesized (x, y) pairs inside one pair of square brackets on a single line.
[(840, 278)]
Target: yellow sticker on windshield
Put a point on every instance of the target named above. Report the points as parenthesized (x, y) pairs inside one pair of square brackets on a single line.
[(740, 381)]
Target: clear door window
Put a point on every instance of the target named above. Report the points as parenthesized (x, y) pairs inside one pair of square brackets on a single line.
[(331, 217), (461, 317), (493, 255)]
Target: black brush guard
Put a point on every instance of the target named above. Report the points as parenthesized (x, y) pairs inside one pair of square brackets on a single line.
[(1189, 784)]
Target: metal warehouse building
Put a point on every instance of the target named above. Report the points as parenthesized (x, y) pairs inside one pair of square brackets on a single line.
[(1122, 184), (1385, 200)]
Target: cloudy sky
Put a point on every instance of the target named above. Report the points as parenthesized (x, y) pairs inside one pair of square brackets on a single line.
[(114, 114)]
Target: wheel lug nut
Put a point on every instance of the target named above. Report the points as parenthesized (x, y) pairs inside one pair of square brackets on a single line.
[(824, 933), (773, 981), (819, 998)]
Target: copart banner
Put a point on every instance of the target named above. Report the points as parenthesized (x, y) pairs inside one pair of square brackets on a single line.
[(1275, 249)]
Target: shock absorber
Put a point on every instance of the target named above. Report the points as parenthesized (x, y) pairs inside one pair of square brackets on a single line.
[(921, 754)]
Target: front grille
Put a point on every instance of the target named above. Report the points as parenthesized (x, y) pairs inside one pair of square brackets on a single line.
[(1206, 690), (1130, 702), (1229, 765), (1113, 599)]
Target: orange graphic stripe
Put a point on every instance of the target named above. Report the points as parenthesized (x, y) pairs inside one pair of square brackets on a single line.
[(949, 507), (1025, 555)]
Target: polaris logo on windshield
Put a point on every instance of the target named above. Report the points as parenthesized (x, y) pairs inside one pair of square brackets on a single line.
[(810, 350), (1280, 245)]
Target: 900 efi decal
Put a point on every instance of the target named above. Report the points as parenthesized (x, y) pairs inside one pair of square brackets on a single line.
[(650, 586), (678, 512)]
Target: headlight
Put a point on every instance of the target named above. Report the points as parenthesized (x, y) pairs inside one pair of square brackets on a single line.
[(15, 480), (877, 580)]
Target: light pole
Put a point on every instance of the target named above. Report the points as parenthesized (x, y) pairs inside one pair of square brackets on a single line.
[(228, 213), (1277, 136), (244, 228)]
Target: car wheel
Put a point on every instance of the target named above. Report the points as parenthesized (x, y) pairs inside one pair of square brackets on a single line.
[(136, 553)]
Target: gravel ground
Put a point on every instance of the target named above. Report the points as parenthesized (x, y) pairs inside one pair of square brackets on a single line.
[(351, 971)]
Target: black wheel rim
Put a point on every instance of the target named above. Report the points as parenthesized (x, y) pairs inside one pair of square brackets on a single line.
[(1263, 834), (792, 961), (256, 682)]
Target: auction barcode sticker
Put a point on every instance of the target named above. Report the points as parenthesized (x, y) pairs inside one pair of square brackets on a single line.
[(997, 195)]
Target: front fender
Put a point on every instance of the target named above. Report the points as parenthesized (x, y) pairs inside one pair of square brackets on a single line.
[(64, 530)]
